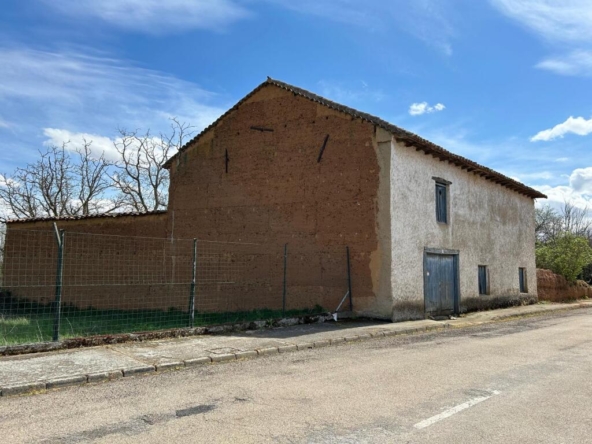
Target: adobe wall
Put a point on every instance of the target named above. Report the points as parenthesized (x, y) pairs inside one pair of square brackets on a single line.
[(555, 288), (109, 262), (276, 192)]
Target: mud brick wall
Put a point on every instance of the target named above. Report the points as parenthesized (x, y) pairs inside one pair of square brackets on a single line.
[(272, 191), (555, 288), (275, 191), (109, 262)]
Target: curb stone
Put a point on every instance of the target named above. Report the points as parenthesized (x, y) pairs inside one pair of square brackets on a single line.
[(197, 361), (103, 376), (223, 357), (287, 348), (23, 389), (246, 354), (168, 366), (67, 381), (138, 370), (336, 341), (40, 387), (267, 351)]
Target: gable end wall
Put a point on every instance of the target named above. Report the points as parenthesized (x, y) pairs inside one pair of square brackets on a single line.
[(276, 192)]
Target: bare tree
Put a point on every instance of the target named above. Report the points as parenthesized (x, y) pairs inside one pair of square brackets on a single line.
[(576, 220), (139, 176), (94, 182), (58, 186), (548, 223), (66, 182)]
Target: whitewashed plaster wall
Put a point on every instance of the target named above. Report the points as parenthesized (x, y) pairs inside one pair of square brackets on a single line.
[(489, 224)]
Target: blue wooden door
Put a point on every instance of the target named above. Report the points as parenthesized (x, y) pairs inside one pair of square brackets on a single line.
[(440, 285)]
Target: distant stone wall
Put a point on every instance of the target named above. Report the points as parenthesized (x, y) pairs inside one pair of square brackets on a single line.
[(555, 288)]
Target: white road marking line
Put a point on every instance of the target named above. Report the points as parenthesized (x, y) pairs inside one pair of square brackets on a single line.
[(456, 409)]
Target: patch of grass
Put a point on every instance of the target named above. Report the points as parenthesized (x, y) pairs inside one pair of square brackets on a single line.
[(19, 327)]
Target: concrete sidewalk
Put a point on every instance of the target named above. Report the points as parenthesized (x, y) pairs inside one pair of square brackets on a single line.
[(45, 371)]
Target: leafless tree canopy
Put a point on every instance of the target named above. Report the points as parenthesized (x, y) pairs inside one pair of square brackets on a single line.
[(550, 223), (139, 176), (58, 185), (66, 182)]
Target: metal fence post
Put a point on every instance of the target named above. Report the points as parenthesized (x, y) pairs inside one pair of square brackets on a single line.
[(285, 268), (351, 303), (60, 235), (193, 279)]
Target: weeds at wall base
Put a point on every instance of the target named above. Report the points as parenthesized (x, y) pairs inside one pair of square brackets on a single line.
[(21, 323)]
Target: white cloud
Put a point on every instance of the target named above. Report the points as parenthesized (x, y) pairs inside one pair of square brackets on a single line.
[(581, 180), (538, 175), (4, 181), (555, 20), (575, 63), (430, 21), (559, 22), (338, 92), (578, 192), (155, 16), (99, 144), (417, 109), (84, 81), (557, 196), (577, 125), (92, 95)]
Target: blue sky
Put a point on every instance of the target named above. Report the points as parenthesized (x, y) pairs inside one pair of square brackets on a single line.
[(507, 83)]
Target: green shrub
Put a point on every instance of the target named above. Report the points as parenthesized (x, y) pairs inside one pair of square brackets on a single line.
[(566, 255)]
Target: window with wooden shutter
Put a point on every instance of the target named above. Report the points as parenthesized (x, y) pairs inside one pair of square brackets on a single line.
[(522, 280), (483, 280), (441, 203)]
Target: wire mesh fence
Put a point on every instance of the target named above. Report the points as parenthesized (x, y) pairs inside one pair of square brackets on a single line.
[(59, 285)]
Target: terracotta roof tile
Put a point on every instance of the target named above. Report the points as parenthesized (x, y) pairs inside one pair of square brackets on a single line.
[(90, 216)]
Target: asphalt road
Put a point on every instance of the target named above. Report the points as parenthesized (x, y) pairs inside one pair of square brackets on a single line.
[(522, 381)]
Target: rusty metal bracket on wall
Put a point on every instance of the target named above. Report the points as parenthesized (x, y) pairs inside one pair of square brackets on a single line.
[(323, 148)]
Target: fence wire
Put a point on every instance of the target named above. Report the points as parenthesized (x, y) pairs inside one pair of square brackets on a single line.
[(120, 284)]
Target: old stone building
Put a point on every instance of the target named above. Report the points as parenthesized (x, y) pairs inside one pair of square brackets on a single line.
[(430, 233)]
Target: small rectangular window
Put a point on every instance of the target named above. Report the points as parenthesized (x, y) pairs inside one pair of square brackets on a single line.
[(522, 278), (483, 280), (441, 203)]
